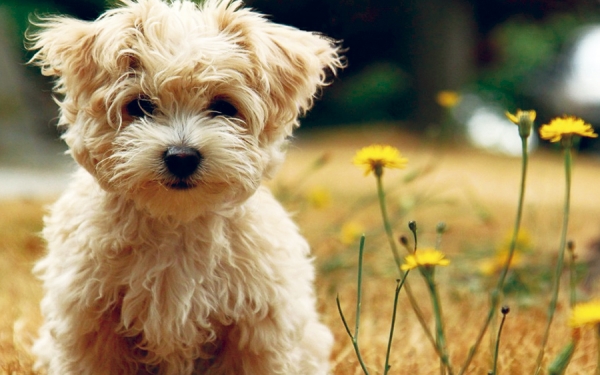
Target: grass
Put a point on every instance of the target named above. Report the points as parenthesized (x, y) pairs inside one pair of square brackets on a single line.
[(474, 193), (20, 246)]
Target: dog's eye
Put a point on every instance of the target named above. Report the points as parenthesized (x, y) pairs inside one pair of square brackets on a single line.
[(222, 107), (140, 107)]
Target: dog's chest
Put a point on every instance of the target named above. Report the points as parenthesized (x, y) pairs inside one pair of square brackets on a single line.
[(191, 285)]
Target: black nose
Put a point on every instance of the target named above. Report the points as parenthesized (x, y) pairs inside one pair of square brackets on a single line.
[(182, 161)]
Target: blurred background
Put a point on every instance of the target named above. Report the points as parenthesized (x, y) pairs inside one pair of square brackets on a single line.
[(445, 70)]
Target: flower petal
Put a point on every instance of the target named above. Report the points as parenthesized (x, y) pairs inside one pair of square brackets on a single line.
[(566, 126), (378, 157), (428, 257), (584, 314)]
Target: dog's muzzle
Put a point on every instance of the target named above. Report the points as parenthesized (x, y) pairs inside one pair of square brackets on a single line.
[(182, 162)]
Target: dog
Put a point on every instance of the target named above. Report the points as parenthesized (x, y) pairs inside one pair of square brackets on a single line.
[(166, 254)]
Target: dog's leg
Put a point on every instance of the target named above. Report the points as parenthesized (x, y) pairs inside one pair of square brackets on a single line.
[(315, 348), (69, 347), (265, 348)]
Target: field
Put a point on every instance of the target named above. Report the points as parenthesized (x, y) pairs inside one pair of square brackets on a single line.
[(473, 192)]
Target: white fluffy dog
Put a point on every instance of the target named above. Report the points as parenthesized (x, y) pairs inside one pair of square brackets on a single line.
[(166, 256)]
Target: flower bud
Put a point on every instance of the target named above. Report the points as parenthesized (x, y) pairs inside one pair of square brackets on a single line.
[(412, 225), (524, 119)]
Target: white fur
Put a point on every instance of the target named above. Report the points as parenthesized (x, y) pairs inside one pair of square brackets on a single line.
[(144, 278)]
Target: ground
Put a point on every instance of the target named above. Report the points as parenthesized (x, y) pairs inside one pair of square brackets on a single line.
[(473, 192)]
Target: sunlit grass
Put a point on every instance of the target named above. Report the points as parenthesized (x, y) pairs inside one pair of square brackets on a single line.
[(20, 246), (472, 192)]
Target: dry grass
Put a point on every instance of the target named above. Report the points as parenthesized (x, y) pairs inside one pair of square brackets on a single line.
[(473, 192), (20, 246)]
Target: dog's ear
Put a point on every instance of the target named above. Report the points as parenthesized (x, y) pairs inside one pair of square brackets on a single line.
[(296, 64), (290, 65), (64, 50)]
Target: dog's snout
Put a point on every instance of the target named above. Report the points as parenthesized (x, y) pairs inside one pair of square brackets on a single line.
[(181, 161)]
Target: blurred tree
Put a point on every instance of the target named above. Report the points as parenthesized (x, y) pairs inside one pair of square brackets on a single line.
[(400, 52), (442, 53), (24, 113)]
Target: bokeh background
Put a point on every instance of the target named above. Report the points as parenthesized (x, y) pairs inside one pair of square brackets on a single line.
[(486, 56), (497, 54)]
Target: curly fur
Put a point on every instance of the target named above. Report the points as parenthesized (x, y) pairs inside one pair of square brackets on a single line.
[(151, 272)]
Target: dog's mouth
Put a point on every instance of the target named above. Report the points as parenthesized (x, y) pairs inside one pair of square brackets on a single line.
[(180, 185)]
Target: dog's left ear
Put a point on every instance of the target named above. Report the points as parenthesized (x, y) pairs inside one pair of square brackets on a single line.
[(295, 65), (290, 65)]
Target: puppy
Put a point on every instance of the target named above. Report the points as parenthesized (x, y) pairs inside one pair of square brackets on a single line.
[(165, 254)]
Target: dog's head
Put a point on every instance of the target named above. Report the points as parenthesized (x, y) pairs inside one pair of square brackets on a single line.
[(183, 108)]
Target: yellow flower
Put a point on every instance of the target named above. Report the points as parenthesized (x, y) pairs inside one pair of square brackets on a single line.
[(319, 197), (424, 258), (521, 116), (524, 119), (523, 241), (447, 99), (566, 126), (584, 314), (350, 232), (492, 266), (376, 157)]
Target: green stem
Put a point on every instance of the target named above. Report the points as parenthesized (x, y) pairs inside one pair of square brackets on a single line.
[(397, 259), (389, 347), (412, 225), (386, 221), (439, 324), (354, 337), (359, 284), (572, 278), (560, 261), (495, 295), (497, 347), (439, 231), (420, 316)]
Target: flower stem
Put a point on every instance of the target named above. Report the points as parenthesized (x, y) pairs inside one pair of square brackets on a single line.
[(572, 278), (559, 365), (386, 221), (397, 259), (439, 324), (399, 285), (354, 337), (359, 284), (495, 295), (497, 347), (560, 261), (420, 317)]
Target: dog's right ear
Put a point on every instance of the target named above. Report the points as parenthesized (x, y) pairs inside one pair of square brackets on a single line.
[(64, 50)]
